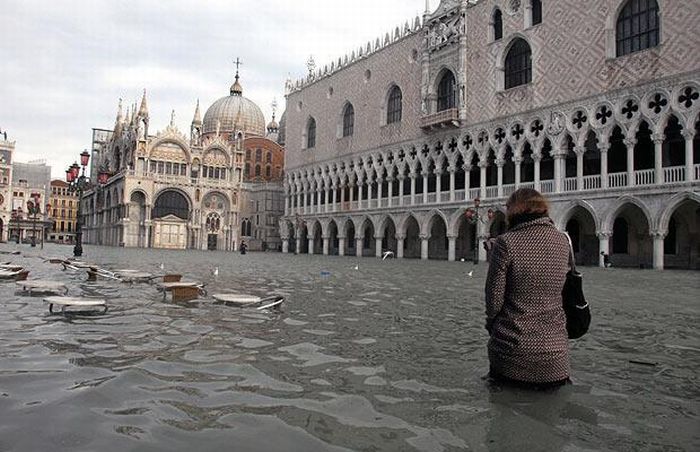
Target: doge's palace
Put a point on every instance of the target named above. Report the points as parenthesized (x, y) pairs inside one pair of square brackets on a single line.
[(593, 103)]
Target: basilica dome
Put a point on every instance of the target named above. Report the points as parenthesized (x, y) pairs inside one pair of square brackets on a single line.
[(234, 113)]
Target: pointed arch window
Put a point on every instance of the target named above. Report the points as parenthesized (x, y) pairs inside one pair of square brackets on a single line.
[(536, 12), (637, 26), (349, 121), (311, 134), (446, 92), (497, 25), (394, 109), (518, 66)]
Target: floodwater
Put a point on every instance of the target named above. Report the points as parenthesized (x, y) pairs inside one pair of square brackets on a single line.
[(387, 357)]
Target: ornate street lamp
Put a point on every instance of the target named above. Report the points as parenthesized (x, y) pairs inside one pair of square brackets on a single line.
[(34, 209), (77, 183), (474, 216)]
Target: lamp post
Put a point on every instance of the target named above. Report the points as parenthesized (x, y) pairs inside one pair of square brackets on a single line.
[(474, 216), (77, 183), (34, 209)]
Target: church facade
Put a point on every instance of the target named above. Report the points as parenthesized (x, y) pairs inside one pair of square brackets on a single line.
[(594, 103), (177, 191)]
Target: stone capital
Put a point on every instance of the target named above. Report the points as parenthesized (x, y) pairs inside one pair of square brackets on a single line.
[(688, 134), (604, 235), (630, 142), (400, 236)]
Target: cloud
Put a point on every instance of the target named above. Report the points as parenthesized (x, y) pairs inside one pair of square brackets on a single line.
[(66, 63)]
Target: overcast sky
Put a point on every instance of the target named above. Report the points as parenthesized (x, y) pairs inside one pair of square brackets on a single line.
[(65, 63)]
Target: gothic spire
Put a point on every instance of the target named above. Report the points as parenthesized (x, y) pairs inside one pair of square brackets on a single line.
[(143, 111), (197, 115)]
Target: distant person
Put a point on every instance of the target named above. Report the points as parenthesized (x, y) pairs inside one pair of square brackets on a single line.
[(529, 344), (244, 248), (606, 259)]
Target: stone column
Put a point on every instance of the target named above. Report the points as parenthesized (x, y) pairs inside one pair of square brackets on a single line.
[(285, 246), (518, 162), (400, 239), (341, 245), (413, 189), (499, 165), (342, 196), (369, 194), (335, 199), (558, 173), (604, 180), (328, 200), (326, 245), (378, 246), (630, 143), (689, 135), (467, 181), (537, 159), (453, 183), (580, 152), (452, 248), (298, 207), (424, 243), (380, 189), (402, 179), (319, 195), (360, 192), (359, 245), (298, 248), (480, 245), (658, 158), (390, 198), (438, 186), (658, 238), (425, 187), (483, 166), (604, 242), (312, 245)]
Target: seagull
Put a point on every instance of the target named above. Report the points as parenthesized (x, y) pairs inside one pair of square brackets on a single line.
[(162, 266), (387, 255), (216, 271), (471, 274), (462, 260), (357, 267)]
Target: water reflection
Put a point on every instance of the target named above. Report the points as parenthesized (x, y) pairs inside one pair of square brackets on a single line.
[(388, 357)]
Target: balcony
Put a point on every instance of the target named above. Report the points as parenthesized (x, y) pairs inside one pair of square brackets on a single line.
[(441, 120)]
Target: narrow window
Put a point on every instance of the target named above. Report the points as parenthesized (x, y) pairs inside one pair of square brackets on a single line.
[(395, 107), (311, 134), (637, 26), (518, 67), (349, 121), (536, 12), (446, 92), (497, 25)]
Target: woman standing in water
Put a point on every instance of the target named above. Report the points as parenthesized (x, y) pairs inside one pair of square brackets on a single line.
[(528, 343)]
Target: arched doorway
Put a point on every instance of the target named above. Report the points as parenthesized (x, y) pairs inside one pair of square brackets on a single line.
[(303, 239), (389, 242), (333, 237), (466, 240), (350, 238), (412, 244), (582, 230), (292, 243), (683, 238), (137, 216), (368, 242), (318, 238), (438, 244), (215, 235), (630, 243), (171, 213)]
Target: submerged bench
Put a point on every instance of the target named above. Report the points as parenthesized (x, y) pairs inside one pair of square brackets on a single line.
[(42, 287), (182, 291), (65, 302)]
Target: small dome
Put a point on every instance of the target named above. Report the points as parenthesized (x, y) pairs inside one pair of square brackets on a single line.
[(234, 113)]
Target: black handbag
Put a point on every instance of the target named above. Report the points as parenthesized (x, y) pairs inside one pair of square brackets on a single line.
[(578, 313)]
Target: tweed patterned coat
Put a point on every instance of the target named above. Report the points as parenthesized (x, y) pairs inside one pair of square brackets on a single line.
[(524, 313)]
